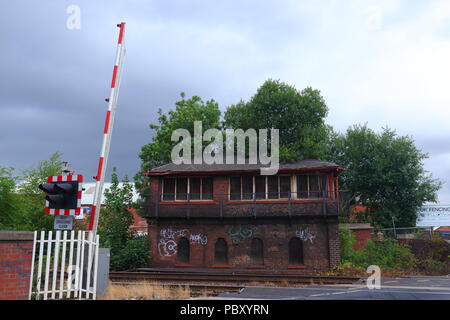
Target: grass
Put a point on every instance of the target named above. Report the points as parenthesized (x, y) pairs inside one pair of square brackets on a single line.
[(145, 291)]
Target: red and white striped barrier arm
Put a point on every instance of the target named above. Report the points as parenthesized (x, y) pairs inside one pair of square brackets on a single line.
[(107, 131)]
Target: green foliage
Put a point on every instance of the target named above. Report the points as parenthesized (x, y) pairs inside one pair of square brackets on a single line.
[(347, 238), (115, 218), (300, 117), (433, 267), (134, 254), (127, 249), (185, 114), (23, 202), (387, 254), (384, 172), (7, 197)]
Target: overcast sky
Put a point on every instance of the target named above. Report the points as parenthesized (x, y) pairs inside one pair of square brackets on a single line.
[(384, 63)]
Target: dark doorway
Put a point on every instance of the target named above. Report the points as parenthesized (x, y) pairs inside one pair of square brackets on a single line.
[(295, 252), (183, 251), (221, 252), (256, 252)]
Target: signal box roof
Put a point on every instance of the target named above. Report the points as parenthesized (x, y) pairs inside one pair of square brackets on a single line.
[(186, 169)]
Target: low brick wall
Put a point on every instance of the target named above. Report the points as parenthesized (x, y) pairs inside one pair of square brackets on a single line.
[(16, 250), (362, 231)]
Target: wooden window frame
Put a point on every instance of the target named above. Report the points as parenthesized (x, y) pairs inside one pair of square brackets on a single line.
[(308, 175), (266, 188), (188, 189)]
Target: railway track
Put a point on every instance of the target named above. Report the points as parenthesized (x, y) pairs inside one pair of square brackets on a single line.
[(231, 280)]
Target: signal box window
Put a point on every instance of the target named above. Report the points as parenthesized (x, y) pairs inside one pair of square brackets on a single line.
[(181, 188), (312, 186)]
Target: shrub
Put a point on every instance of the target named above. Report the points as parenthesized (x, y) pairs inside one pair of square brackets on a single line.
[(433, 267), (134, 254), (347, 269), (390, 254), (347, 242), (387, 254)]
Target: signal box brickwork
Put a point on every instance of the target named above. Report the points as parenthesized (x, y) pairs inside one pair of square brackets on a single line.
[(217, 218)]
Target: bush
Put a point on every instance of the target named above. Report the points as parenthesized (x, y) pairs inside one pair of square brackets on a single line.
[(134, 254), (347, 242), (433, 267), (347, 269), (387, 254)]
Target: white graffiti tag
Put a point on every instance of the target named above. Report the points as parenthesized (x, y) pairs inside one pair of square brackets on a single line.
[(171, 234), (167, 248), (167, 245), (305, 235), (198, 239)]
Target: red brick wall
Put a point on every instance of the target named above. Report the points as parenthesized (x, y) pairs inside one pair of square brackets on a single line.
[(139, 223), (361, 238), (320, 244), (16, 250), (361, 231), (272, 226)]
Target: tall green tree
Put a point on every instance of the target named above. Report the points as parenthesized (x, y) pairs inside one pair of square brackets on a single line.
[(8, 198), (384, 172), (127, 249), (186, 112), (32, 199), (299, 116), (21, 201), (115, 218)]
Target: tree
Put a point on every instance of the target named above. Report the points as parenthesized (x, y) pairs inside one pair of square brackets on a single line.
[(32, 199), (21, 201), (384, 172), (299, 116), (8, 198), (186, 112), (127, 249), (115, 218)]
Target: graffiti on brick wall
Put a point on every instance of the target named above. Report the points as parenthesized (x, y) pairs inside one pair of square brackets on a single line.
[(167, 246), (241, 232), (305, 235), (171, 234), (198, 239)]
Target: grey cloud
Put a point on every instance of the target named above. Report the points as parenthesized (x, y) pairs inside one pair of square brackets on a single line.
[(54, 80)]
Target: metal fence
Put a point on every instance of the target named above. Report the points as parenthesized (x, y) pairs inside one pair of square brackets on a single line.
[(407, 233), (64, 265)]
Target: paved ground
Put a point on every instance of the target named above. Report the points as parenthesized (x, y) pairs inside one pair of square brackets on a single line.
[(415, 288)]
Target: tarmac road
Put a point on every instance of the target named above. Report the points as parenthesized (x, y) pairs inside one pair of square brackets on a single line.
[(414, 288)]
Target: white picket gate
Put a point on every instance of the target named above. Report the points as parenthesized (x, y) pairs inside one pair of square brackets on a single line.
[(64, 265)]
